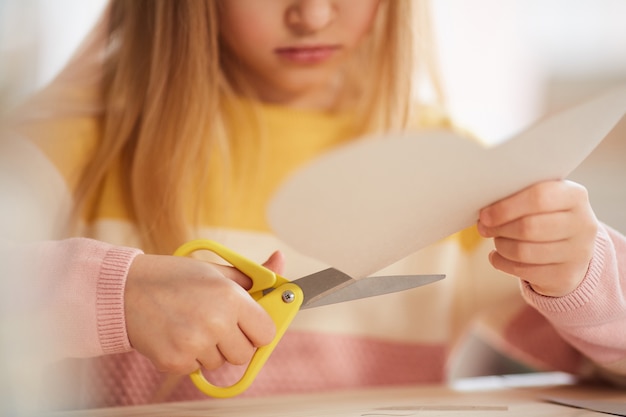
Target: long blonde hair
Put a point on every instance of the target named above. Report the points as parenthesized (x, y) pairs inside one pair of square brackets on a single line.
[(163, 85)]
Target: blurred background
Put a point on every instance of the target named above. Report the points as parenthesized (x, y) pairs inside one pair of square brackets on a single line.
[(507, 62), (504, 64)]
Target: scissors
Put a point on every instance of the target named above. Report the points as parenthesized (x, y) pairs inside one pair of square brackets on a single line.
[(282, 299)]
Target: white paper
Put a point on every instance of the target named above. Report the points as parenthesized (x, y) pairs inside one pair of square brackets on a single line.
[(373, 202), (616, 408)]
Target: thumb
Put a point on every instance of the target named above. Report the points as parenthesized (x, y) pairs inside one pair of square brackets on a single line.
[(276, 262)]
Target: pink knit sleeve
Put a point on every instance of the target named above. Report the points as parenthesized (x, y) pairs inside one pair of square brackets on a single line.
[(75, 289), (593, 317)]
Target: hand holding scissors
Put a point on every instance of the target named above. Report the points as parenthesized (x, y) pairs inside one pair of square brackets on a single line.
[(282, 299)]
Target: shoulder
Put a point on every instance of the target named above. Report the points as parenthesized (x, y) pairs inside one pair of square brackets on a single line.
[(67, 142)]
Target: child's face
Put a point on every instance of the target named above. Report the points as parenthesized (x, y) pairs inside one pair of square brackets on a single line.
[(291, 50)]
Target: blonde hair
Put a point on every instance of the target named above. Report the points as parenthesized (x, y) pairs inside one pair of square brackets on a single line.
[(163, 84)]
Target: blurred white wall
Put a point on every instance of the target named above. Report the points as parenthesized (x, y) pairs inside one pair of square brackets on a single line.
[(504, 62), (37, 37), (64, 23), (576, 38), (491, 76)]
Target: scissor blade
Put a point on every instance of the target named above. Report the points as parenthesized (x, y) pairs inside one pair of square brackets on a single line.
[(332, 286), (322, 284)]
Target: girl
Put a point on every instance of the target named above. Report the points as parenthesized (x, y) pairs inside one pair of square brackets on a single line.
[(178, 119)]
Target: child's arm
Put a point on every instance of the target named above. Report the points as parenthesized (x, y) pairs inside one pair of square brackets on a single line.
[(573, 268), (81, 297)]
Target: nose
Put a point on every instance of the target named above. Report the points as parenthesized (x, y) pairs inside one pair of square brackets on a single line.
[(309, 16)]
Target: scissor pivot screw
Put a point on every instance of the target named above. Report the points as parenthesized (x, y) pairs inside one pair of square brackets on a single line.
[(288, 296)]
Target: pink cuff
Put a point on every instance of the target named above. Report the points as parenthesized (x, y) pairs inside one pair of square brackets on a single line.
[(582, 295), (110, 316)]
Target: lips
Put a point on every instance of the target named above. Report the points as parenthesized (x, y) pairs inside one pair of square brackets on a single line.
[(307, 55)]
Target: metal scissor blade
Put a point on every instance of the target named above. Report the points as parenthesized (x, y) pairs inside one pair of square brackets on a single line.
[(322, 284), (333, 286)]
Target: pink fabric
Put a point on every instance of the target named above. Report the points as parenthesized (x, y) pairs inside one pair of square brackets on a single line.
[(593, 317), (76, 286), (302, 362), (533, 340)]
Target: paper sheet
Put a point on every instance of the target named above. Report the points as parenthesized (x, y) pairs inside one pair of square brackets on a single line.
[(616, 408), (364, 206)]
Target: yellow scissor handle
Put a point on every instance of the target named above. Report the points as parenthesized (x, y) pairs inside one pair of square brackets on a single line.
[(262, 278), (282, 304)]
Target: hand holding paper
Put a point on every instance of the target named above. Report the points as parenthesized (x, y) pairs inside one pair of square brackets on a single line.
[(544, 234), (373, 202)]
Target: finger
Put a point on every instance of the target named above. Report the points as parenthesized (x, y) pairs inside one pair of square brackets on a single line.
[(534, 253), (552, 280), (544, 197), (544, 227), (235, 275), (276, 262), (256, 324), (174, 362), (211, 358), (236, 348)]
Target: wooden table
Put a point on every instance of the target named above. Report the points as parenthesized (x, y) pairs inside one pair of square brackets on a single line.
[(430, 401)]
